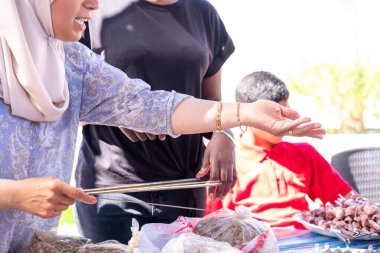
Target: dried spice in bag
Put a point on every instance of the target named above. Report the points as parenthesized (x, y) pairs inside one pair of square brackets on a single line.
[(236, 228), (50, 242), (110, 246)]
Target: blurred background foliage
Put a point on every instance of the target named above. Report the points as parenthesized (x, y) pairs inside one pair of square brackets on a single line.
[(351, 91)]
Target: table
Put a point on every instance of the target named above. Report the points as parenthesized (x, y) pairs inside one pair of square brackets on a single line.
[(294, 241)]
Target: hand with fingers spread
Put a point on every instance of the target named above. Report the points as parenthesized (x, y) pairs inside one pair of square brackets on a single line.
[(279, 120), (313, 130), (46, 197), (219, 160), (135, 136)]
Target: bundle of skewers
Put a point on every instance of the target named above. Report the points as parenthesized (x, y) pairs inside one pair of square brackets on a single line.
[(189, 183), (154, 186)]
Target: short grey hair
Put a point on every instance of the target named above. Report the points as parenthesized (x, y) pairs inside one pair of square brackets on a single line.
[(261, 85)]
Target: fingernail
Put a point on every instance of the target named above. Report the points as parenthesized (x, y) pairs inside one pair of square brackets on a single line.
[(201, 172), (93, 199)]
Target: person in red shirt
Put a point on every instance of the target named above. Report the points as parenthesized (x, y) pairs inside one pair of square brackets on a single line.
[(274, 176)]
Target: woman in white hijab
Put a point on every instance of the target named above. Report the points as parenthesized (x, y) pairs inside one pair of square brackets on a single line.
[(32, 62), (48, 87)]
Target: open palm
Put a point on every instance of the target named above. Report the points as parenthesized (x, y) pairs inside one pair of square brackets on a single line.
[(280, 120)]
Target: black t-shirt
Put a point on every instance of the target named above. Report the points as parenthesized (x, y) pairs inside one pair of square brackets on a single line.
[(171, 47)]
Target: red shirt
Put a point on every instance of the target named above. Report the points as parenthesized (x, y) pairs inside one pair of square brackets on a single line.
[(273, 183)]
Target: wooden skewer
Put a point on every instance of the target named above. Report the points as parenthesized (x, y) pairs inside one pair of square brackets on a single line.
[(152, 187), (180, 181), (153, 204)]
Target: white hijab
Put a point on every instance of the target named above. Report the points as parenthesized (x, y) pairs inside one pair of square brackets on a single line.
[(32, 73)]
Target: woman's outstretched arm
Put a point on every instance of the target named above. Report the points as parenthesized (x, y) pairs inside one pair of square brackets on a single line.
[(196, 116)]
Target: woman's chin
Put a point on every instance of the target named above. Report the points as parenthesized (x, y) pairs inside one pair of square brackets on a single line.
[(71, 38)]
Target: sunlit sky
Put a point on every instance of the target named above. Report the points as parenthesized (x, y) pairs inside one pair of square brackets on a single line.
[(284, 36)]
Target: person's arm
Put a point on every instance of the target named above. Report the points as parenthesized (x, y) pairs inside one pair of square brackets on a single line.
[(197, 116), (219, 156), (326, 184), (7, 188), (211, 90), (130, 103), (44, 197)]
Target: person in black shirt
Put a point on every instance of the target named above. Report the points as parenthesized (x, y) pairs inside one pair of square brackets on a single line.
[(176, 45)]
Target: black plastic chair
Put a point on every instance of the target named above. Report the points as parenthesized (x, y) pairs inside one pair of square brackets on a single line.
[(361, 169)]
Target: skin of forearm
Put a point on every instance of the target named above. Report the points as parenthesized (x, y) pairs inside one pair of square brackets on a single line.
[(211, 90), (7, 189), (202, 115)]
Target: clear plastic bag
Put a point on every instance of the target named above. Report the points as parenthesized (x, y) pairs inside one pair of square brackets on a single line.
[(239, 229), (110, 246), (50, 242), (155, 236), (40, 247), (189, 242)]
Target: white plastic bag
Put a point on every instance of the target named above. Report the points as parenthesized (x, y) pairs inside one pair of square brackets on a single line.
[(189, 242), (154, 236), (133, 243)]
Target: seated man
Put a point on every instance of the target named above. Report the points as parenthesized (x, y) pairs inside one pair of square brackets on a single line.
[(274, 176)]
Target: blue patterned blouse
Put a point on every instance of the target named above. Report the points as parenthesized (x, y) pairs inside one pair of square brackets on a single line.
[(99, 94)]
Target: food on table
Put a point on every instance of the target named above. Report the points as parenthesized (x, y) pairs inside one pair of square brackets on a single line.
[(49, 242), (235, 229), (337, 251), (350, 251), (110, 246), (234, 234), (350, 216)]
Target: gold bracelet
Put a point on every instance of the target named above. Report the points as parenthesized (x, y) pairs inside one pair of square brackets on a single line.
[(238, 118), (218, 116)]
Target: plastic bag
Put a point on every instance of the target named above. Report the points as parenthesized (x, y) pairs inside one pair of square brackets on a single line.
[(189, 242), (133, 243), (238, 229), (50, 242), (110, 246), (154, 236)]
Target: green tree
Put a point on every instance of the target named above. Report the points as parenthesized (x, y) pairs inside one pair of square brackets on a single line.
[(352, 89)]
